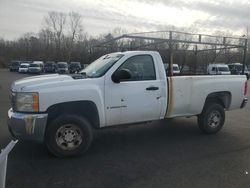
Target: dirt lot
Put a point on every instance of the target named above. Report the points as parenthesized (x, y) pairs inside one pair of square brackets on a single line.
[(160, 154)]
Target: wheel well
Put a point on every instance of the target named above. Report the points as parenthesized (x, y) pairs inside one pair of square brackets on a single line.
[(223, 98), (85, 109)]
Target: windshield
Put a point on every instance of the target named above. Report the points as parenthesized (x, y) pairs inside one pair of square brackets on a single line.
[(34, 65), (24, 66), (238, 67), (49, 65), (100, 66), (175, 68), (62, 65), (15, 63), (74, 65), (223, 69)]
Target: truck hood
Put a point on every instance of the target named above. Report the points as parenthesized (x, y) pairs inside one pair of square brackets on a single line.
[(35, 82)]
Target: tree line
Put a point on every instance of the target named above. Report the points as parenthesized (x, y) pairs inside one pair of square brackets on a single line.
[(62, 38)]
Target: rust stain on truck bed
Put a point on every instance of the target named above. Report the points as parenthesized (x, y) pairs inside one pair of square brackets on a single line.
[(170, 97)]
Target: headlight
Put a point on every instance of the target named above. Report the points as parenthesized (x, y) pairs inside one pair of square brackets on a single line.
[(26, 102)]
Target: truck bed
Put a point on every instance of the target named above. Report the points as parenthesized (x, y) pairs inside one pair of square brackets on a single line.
[(187, 94)]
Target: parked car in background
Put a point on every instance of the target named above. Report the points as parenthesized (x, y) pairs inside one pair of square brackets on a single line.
[(236, 68), (74, 67), (24, 67), (218, 69), (176, 69), (62, 68), (41, 64), (50, 67), (36, 67), (14, 65)]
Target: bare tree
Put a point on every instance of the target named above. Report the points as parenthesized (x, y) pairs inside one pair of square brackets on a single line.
[(47, 39), (56, 22), (76, 28)]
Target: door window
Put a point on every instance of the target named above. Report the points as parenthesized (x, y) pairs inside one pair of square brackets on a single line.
[(141, 68)]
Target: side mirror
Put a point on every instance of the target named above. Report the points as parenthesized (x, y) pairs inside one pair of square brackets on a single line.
[(119, 75)]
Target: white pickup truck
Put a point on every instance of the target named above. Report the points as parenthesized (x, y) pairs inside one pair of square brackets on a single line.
[(118, 88)]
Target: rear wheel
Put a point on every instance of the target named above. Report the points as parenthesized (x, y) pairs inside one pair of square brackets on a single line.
[(212, 118), (68, 135)]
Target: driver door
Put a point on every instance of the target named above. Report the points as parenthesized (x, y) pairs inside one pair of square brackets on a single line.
[(135, 99)]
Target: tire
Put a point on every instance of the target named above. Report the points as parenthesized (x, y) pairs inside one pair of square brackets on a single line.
[(68, 135), (212, 118)]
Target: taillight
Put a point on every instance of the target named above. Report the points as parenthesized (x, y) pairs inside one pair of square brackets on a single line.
[(245, 90)]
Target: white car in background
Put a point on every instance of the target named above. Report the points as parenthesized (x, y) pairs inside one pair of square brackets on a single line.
[(62, 68), (36, 67), (24, 67), (176, 69), (218, 69)]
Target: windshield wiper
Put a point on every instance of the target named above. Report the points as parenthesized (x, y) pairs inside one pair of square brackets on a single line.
[(85, 75)]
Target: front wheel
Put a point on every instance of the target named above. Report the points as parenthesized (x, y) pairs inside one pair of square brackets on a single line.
[(212, 118), (68, 135)]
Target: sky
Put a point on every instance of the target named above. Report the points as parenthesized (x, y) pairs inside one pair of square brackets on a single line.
[(18, 17)]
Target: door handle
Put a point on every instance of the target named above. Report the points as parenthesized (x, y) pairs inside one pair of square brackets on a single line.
[(152, 88)]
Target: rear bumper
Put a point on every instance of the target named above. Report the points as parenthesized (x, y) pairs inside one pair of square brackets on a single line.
[(244, 102), (27, 126)]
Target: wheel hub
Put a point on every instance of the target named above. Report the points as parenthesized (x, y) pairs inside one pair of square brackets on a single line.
[(214, 119), (69, 137)]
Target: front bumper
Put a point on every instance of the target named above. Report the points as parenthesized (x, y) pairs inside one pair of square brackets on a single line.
[(62, 71), (22, 70), (34, 71), (27, 126), (244, 102), (14, 68), (49, 70)]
